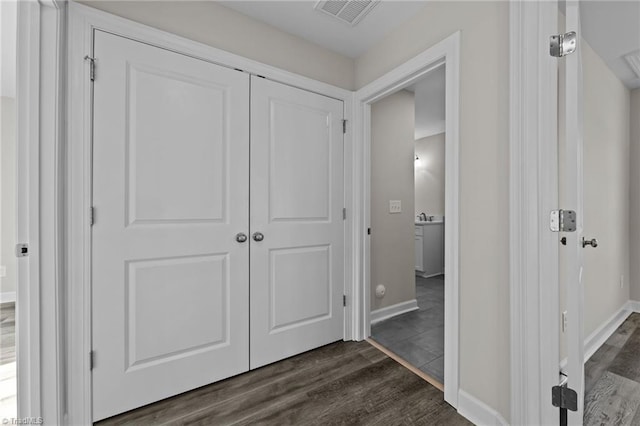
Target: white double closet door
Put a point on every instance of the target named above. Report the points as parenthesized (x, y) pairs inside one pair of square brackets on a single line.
[(187, 155)]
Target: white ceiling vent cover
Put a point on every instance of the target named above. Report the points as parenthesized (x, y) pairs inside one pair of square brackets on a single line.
[(348, 11), (634, 62)]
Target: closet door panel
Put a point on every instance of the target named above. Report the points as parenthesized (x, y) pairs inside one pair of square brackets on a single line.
[(296, 278), (171, 176)]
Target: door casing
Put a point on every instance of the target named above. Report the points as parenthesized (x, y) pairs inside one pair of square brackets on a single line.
[(446, 52), (83, 21)]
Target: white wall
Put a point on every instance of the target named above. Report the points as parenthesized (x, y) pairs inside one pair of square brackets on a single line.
[(606, 190), (484, 183), (429, 175), (226, 29), (634, 196), (7, 195), (392, 235)]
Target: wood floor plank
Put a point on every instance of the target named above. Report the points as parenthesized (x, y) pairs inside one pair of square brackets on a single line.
[(342, 383), (613, 400), (627, 363)]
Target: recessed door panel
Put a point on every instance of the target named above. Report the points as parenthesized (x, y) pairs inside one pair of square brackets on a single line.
[(159, 296), (176, 146), (297, 268), (299, 287), (170, 190), (299, 162)]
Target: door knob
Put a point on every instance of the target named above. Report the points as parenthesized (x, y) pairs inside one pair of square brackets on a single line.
[(257, 236), (241, 237), (592, 242)]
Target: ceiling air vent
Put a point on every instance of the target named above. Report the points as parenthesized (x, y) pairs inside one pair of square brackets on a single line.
[(634, 62), (348, 11)]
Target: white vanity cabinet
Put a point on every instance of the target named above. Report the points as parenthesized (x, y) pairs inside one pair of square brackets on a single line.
[(429, 241)]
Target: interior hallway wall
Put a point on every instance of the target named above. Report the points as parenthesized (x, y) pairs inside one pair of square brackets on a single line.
[(484, 177), (606, 190), (226, 29), (634, 197), (392, 235), (429, 175)]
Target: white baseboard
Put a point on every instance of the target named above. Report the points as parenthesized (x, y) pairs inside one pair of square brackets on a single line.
[(393, 310), (477, 412), (9, 296), (600, 335), (634, 306), (596, 339)]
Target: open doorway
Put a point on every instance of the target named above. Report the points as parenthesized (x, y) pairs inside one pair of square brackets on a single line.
[(392, 89), (408, 173), (8, 389)]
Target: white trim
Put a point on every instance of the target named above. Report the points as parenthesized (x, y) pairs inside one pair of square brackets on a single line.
[(448, 50), (477, 412), (633, 306), (533, 192), (39, 322), (394, 310), (28, 285), (83, 20), (600, 335), (8, 297)]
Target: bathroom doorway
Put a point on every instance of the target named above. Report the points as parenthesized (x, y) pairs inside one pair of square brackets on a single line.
[(408, 205)]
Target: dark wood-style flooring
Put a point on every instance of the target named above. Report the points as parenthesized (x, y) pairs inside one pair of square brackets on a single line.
[(612, 378), (342, 383)]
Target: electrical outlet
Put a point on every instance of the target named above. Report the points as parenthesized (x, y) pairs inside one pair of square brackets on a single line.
[(564, 321), (395, 206)]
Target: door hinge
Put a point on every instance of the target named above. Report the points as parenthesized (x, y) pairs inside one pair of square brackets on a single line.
[(563, 44), (92, 359), (344, 300), (92, 67), (22, 250), (368, 231), (565, 399), (344, 213), (344, 126), (562, 221), (92, 216)]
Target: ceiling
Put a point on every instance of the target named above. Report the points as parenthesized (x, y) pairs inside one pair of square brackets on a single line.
[(430, 103), (612, 29), (301, 19)]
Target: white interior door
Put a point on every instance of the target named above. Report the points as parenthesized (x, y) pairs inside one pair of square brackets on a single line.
[(296, 205), (573, 200), (170, 178)]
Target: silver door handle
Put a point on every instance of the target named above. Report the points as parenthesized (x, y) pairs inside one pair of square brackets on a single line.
[(592, 242), (257, 236), (241, 237)]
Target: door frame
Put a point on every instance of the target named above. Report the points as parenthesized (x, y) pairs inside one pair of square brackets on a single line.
[(83, 20), (445, 52), (41, 85), (533, 193)]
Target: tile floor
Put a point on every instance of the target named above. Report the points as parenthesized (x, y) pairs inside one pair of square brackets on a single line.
[(8, 403), (612, 378), (418, 336)]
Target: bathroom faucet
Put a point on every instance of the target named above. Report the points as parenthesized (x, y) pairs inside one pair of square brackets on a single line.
[(422, 216)]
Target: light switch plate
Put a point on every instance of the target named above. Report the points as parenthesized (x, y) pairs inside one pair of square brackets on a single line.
[(395, 206)]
